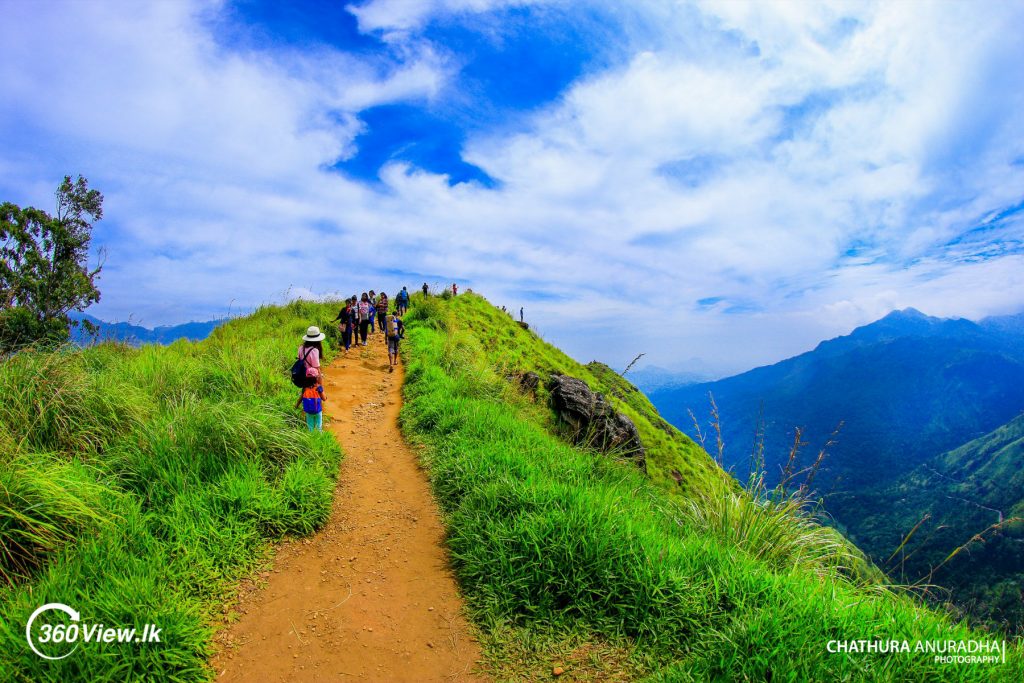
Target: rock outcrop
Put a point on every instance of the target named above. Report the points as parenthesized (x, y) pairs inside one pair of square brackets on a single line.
[(593, 420), (529, 381)]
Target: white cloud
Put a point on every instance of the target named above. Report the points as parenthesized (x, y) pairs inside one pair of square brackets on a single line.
[(149, 79), (213, 164)]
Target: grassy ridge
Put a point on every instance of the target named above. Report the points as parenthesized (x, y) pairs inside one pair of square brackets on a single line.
[(136, 485), (555, 545), (508, 349)]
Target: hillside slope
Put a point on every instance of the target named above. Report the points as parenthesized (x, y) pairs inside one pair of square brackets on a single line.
[(904, 388), (568, 557), (511, 351), (958, 494)]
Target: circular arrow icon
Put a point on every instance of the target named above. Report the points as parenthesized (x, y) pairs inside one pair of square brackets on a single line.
[(75, 616)]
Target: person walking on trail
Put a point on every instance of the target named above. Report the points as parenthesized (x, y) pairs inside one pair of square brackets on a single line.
[(521, 314), (424, 290), (373, 311), (312, 401), (394, 331), (363, 317), (382, 306), (347, 322), (402, 299), (455, 289), (311, 352), (353, 313)]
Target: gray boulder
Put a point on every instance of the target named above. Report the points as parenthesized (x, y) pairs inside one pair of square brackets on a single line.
[(593, 420)]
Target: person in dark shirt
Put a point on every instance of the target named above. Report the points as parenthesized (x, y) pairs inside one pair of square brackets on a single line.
[(347, 322)]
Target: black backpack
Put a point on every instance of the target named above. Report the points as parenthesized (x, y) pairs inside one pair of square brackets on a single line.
[(299, 378)]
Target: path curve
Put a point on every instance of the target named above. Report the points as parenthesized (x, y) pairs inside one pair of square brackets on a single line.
[(370, 597)]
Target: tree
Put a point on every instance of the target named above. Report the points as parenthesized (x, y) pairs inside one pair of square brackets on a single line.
[(44, 272)]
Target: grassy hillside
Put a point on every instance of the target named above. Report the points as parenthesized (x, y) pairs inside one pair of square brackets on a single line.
[(567, 556), (957, 495), (509, 349), (137, 485)]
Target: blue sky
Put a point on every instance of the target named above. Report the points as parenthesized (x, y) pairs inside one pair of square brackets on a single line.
[(716, 184)]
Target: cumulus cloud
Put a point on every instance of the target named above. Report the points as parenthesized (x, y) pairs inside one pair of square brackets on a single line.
[(820, 141), (212, 161)]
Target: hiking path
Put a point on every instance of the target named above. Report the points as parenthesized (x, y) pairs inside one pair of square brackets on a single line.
[(370, 597)]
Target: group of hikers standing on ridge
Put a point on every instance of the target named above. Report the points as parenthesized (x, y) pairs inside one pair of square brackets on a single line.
[(360, 318), (363, 316)]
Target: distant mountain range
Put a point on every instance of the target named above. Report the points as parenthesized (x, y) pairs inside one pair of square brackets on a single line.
[(905, 387), (135, 334), (652, 377)]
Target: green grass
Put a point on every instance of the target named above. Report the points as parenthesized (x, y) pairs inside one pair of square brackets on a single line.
[(505, 348), (553, 543), (138, 485)]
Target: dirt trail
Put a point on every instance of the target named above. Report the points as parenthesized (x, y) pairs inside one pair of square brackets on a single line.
[(370, 597)]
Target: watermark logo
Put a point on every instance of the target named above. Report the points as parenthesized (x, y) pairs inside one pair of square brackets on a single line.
[(942, 651), (58, 640)]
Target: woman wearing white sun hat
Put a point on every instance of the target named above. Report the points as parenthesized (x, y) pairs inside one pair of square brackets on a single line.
[(311, 352), (312, 397)]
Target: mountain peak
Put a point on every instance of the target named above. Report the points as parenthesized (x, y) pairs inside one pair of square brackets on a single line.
[(908, 313), (906, 322)]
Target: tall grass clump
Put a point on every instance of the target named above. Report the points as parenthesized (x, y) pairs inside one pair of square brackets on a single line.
[(137, 485), (783, 525), (44, 505), (779, 531), (53, 401), (556, 545)]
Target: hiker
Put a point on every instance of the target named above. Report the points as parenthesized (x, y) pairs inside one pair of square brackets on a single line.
[(424, 290), (310, 352), (395, 329), (402, 299), (521, 314), (354, 314), (455, 289), (347, 322), (382, 306), (373, 310), (312, 401), (363, 316)]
